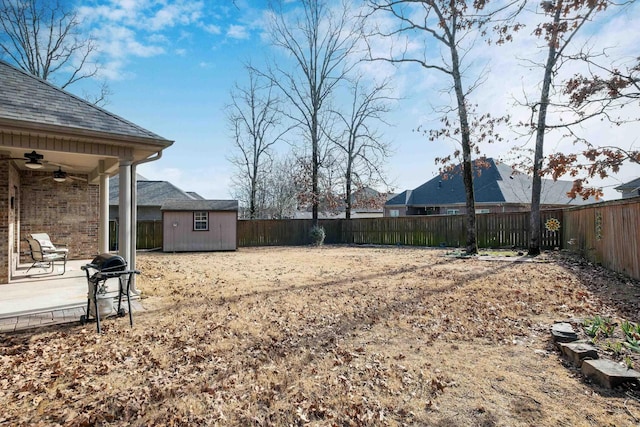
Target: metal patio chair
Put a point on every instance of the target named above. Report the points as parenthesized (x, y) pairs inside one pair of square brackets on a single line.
[(43, 257), (47, 246)]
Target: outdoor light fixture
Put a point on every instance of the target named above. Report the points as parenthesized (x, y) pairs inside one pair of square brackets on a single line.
[(59, 175), (33, 164), (34, 160)]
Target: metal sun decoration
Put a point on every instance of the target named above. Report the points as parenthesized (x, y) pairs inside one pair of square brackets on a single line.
[(552, 224)]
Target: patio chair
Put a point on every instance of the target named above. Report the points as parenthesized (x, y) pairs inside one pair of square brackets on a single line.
[(47, 246), (46, 259)]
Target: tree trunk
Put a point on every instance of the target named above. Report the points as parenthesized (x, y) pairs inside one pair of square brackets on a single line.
[(314, 173), (536, 185), (347, 211), (467, 164)]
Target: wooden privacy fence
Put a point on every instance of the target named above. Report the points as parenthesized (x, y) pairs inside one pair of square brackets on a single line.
[(493, 230), (148, 235), (607, 234)]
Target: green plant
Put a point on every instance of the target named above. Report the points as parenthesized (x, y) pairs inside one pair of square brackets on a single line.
[(630, 330), (599, 325), (317, 234), (628, 362), (633, 344), (615, 347)]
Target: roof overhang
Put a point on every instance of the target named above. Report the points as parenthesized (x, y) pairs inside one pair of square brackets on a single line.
[(79, 151)]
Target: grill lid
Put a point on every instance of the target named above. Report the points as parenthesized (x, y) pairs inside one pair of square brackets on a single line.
[(107, 262)]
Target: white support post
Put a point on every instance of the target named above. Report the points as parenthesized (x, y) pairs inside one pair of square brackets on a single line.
[(124, 212), (134, 226)]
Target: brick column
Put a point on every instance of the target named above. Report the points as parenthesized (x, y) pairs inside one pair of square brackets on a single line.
[(5, 191)]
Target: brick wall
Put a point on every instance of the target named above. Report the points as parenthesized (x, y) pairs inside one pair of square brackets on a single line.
[(67, 211), (5, 259)]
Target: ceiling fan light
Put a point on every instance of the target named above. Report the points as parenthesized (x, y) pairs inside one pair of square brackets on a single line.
[(33, 164), (59, 175)]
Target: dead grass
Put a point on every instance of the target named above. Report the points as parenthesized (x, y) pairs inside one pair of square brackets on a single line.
[(326, 336)]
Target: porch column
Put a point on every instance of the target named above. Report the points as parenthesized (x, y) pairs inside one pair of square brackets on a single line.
[(103, 226), (133, 245), (124, 211)]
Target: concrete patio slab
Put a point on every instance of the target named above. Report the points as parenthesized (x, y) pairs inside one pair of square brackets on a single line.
[(36, 300)]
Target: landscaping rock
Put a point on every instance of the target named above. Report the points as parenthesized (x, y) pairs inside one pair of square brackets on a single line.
[(608, 373), (563, 333), (578, 351)]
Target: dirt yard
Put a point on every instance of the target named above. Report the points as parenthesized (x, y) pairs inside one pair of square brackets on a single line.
[(329, 336)]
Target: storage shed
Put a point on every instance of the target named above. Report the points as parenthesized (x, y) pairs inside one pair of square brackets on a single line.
[(199, 225)]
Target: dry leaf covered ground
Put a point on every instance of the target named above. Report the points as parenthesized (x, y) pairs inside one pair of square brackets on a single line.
[(334, 335)]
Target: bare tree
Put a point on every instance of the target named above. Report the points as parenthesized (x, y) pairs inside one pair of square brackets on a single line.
[(276, 191), (361, 145), (44, 38), (254, 117), (280, 189), (565, 20), (603, 91), (446, 23), (320, 41)]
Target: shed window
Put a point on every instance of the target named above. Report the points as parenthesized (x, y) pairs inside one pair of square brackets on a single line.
[(394, 213), (453, 211), (201, 221)]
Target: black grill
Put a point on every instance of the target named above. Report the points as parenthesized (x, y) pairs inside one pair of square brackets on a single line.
[(107, 263), (104, 267)]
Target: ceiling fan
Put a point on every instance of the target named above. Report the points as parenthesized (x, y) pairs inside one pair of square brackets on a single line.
[(36, 161), (62, 176)]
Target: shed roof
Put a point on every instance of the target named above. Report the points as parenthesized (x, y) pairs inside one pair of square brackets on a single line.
[(200, 205), (31, 99)]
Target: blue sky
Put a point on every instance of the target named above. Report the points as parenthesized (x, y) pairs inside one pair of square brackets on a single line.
[(172, 63)]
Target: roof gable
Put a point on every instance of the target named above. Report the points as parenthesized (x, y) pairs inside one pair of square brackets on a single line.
[(27, 98)]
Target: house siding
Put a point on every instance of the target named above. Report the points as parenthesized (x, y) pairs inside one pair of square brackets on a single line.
[(179, 236)]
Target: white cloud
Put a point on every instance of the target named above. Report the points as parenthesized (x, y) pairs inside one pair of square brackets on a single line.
[(211, 183), (212, 29), (238, 32)]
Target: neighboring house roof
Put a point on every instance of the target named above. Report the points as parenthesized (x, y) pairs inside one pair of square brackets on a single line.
[(629, 186), (150, 193), (401, 199), (495, 183), (34, 100), (195, 195), (200, 205)]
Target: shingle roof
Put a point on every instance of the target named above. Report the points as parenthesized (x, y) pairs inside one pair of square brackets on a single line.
[(27, 98), (149, 193), (496, 183), (631, 185), (401, 199), (195, 195), (200, 205)]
